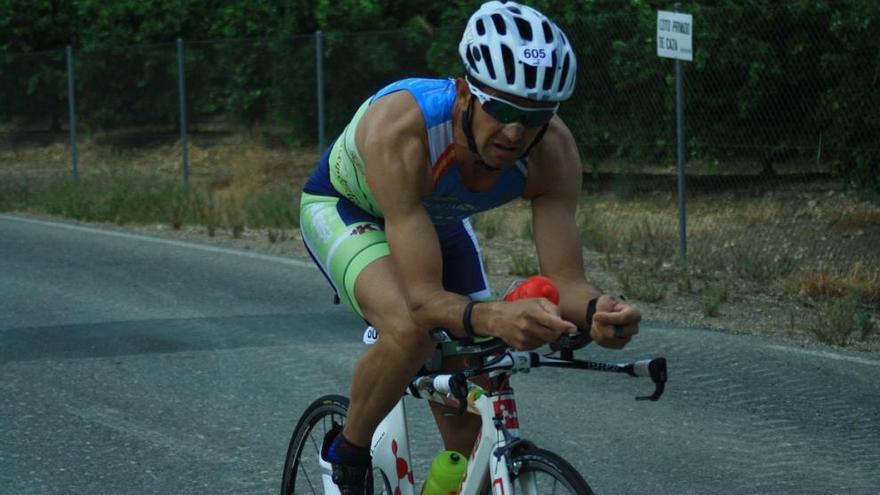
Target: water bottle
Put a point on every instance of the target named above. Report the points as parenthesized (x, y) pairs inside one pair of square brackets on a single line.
[(446, 473), (534, 286)]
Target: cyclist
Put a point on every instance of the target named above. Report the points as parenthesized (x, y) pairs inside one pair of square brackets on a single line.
[(384, 215)]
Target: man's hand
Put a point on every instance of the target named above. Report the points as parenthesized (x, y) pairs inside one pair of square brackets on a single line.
[(526, 323), (614, 323)]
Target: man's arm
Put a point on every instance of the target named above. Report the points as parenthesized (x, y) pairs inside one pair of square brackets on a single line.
[(391, 139), (555, 195)]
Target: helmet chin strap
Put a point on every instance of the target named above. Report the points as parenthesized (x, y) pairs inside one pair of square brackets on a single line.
[(467, 125), (535, 141)]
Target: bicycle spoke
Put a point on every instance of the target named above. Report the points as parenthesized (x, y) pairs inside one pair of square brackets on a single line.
[(542, 473), (317, 448), (309, 481), (306, 473)]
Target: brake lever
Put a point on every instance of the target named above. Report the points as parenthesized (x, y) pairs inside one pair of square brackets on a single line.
[(459, 389)]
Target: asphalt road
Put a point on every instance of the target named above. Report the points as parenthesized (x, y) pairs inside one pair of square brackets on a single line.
[(132, 364)]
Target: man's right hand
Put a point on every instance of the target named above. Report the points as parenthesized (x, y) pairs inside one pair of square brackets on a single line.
[(522, 324)]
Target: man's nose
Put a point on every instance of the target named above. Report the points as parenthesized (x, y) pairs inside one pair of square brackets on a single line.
[(513, 131)]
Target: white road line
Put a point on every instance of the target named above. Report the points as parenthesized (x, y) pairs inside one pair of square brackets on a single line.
[(826, 354), (159, 240)]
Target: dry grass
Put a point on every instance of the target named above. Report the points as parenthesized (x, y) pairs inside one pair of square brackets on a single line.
[(857, 219), (842, 321), (812, 253), (818, 284), (237, 181), (817, 245), (241, 161), (796, 245)]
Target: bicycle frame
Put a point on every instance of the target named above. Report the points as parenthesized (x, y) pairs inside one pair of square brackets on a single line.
[(500, 429), (499, 433)]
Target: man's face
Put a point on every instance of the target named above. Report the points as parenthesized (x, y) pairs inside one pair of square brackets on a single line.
[(505, 125)]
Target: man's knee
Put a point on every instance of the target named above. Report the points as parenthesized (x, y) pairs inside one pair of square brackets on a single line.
[(404, 333)]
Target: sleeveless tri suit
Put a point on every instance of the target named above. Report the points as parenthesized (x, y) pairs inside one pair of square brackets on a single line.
[(341, 222)]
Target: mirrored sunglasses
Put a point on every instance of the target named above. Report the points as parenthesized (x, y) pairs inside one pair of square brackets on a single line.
[(507, 112)]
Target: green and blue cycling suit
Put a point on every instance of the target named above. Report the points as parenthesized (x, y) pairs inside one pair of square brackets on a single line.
[(342, 224)]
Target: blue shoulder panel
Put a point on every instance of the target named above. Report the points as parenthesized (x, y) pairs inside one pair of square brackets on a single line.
[(434, 96)]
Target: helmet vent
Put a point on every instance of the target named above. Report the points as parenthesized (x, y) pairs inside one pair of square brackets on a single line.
[(509, 65), (515, 10), (500, 26), (481, 28), (565, 67), (476, 55), (548, 74), (525, 29), (548, 33), (488, 57), (531, 74)]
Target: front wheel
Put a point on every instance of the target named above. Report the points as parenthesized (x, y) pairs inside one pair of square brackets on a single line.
[(304, 472), (537, 471)]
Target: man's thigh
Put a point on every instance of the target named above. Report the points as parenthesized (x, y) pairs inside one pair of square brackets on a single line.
[(350, 247), (343, 240)]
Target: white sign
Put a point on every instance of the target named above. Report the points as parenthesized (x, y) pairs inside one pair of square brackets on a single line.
[(674, 35), (536, 55)]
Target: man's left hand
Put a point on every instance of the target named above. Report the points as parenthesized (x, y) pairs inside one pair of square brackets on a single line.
[(615, 322)]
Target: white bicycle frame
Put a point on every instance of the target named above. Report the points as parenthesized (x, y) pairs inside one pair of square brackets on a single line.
[(390, 448), (490, 456), (391, 455)]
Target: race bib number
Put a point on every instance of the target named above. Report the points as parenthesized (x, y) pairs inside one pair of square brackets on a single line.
[(536, 55)]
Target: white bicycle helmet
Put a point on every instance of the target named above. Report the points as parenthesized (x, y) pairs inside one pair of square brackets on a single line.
[(518, 50)]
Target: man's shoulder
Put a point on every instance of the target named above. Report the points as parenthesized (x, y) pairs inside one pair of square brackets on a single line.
[(394, 117), (558, 143), (554, 163), (392, 139), (435, 98)]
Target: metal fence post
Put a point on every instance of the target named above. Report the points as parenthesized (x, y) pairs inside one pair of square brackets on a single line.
[(319, 67), (181, 80), (682, 192), (71, 108)]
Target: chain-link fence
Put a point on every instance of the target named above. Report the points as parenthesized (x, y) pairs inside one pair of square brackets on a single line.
[(764, 118), (773, 111)]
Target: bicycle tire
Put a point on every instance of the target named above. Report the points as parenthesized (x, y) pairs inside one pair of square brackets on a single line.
[(549, 472), (302, 474)]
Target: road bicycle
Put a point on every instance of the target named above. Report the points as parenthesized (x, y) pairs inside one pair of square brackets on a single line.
[(501, 462)]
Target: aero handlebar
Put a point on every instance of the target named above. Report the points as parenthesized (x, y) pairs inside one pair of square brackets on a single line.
[(523, 361)]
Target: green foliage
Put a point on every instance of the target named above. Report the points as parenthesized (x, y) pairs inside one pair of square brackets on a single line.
[(522, 262), (849, 106), (713, 296), (274, 208), (643, 282), (130, 200), (119, 200), (840, 320), (488, 223), (788, 79)]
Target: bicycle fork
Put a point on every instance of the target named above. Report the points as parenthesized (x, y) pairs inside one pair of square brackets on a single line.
[(391, 454), (499, 436)]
